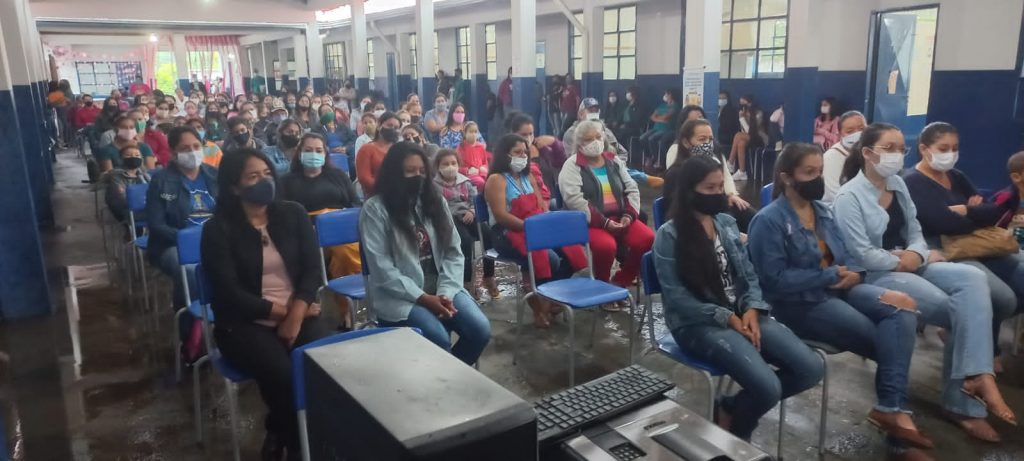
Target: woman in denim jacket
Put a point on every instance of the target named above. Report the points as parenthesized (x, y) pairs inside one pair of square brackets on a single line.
[(713, 304), (801, 261), (879, 224)]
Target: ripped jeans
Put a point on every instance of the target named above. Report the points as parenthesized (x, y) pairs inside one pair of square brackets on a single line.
[(798, 368)]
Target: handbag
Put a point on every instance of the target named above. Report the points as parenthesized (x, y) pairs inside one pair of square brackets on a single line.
[(985, 242)]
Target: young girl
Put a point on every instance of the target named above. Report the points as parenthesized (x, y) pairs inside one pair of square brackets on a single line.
[(473, 156), (826, 124), (460, 193)]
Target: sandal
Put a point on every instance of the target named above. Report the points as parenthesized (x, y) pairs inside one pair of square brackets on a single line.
[(1004, 413), (541, 318), (886, 423), (974, 427)]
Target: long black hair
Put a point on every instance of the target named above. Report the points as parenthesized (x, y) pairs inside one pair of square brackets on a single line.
[(685, 132), (933, 131), (696, 261), (833, 109), (296, 164), (501, 161), (869, 137), (451, 111), (387, 115), (229, 175), (391, 191), (789, 159)]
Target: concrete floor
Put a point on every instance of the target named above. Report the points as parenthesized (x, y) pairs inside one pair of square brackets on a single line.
[(122, 402)]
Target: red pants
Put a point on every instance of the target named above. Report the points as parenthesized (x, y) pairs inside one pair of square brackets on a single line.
[(638, 239), (575, 254)]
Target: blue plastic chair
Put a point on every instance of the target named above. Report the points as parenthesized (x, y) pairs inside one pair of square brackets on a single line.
[(340, 161), (341, 228), (299, 376), (188, 255), (658, 210), (558, 229), (766, 194), (135, 195)]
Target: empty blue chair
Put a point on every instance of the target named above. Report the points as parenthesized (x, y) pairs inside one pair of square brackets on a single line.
[(557, 229), (135, 195), (766, 194), (340, 161), (658, 210), (341, 228)]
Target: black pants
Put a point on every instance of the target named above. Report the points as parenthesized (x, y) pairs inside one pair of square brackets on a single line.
[(468, 234), (257, 351)]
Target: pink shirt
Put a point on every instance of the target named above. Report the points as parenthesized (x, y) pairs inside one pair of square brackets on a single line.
[(277, 287)]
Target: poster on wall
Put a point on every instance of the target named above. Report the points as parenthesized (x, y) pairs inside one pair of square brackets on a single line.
[(693, 86)]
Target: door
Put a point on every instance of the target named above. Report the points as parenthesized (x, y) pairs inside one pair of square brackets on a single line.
[(901, 70)]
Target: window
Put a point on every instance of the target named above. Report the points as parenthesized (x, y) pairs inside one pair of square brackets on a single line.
[(576, 49), (491, 43), (463, 50), (371, 73), (205, 64), (754, 38), (166, 72), (414, 60), (619, 43), (437, 58), (334, 61)]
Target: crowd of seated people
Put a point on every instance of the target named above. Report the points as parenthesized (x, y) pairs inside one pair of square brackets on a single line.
[(853, 250)]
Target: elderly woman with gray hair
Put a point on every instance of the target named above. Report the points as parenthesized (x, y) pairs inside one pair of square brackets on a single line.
[(595, 181)]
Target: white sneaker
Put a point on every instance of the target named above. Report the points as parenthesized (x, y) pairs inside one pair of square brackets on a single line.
[(732, 168), (739, 176)]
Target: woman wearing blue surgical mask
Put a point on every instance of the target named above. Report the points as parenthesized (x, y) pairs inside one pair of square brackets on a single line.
[(878, 221), (948, 204), (850, 125)]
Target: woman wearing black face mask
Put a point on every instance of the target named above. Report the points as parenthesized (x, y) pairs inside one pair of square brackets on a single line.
[(804, 269), (118, 180), (418, 264), (283, 152), (713, 304), (370, 156), (263, 265), (104, 128), (240, 136)]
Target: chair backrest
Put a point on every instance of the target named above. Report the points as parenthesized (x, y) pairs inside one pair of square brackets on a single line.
[(556, 229), (340, 161), (203, 286), (205, 297), (135, 194), (658, 209), (766, 194), (338, 227), (483, 215), (648, 275), (188, 245)]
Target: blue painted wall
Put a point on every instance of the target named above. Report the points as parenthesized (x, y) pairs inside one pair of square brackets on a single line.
[(478, 101), (319, 85), (185, 85), (592, 86), (427, 91), (768, 92), (35, 157), (712, 83), (303, 83), (847, 86), (23, 284), (525, 94), (802, 103), (405, 86)]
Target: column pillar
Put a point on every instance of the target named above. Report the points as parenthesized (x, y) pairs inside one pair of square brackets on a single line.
[(360, 63), (703, 50), (478, 75), (524, 55), (24, 289), (40, 77), (269, 50), (246, 68), (425, 52), (315, 56), (800, 87), (593, 54), (405, 83), (301, 62), (181, 61)]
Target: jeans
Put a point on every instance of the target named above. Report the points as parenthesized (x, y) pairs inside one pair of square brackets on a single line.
[(649, 142), (798, 368), (469, 322), (956, 297), (1005, 275), (866, 326)]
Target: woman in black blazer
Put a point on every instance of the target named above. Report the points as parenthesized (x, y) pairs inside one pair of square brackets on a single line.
[(263, 264)]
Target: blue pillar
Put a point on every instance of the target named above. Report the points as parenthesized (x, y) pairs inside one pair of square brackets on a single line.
[(34, 156), (800, 100), (47, 129), (185, 85), (319, 85), (362, 86), (592, 85), (711, 89), (428, 89), (480, 89), (23, 286), (303, 83), (524, 94)]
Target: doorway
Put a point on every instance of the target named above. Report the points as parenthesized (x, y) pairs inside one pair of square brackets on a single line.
[(902, 44)]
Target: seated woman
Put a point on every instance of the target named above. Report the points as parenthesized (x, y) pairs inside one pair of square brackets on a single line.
[(801, 261), (370, 157), (454, 131), (473, 156), (879, 224), (665, 117), (417, 263), (597, 183), (696, 140), (262, 261), (414, 133), (460, 194), (713, 304), (670, 137), (512, 195), (851, 124), (547, 153), (126, 134), (826, 124), (752, 134), (118, 180), (948, 204), (211, 152), (340, 139)]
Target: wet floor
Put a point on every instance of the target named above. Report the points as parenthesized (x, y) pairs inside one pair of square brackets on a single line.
[(122, 401)]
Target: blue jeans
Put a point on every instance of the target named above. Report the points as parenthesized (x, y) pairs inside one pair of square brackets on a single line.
[(799, 368), (866, 326), (1005, 275), (956, 297), (168, 264), (469, 322)]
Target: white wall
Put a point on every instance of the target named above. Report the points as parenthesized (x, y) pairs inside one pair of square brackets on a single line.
[(446, 50), (553, 30), (659, 24)]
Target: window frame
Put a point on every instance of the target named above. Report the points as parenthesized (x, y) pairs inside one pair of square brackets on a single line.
[(337, 54), (413, 47), (491, 39), (575, 62), (728, 51), (464, 50), (618, 57), (437, 54), (371, 71)]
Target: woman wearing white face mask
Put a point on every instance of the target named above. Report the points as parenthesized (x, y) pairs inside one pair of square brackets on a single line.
[(948, 204), (826, 128), (125, 134), (850, 125), (597, 183), (878, 220)]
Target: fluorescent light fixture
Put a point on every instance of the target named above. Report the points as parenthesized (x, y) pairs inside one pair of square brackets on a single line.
[(153, 38)]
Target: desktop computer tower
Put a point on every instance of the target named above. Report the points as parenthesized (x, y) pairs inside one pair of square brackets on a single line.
[(397, 396)]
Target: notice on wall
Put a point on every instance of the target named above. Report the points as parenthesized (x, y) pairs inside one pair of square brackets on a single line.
[(693, 86)]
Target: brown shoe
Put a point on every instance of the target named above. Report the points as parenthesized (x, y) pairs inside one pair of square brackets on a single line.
[(541, 317), (974, 427), (886, 422), (983, 389)]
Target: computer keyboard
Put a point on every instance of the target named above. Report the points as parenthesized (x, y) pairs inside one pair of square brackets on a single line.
[(568, 411)]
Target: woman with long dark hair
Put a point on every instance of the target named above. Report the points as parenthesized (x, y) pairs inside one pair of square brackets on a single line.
[(878, 220), (752, 134), (713, 304), (416, 267), (263, 263), (826, 124)]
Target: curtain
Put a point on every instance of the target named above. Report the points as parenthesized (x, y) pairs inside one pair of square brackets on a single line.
[(149, 64), (228, 48)]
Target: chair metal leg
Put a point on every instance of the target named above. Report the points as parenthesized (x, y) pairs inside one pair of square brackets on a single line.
[(572, 347), (197, 404), (519, 325), (711, 394), (782, 427), (176, 341), (593, 325), (140, 260), (303, 435), (232, 391), (823, 418), (629, 333)]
